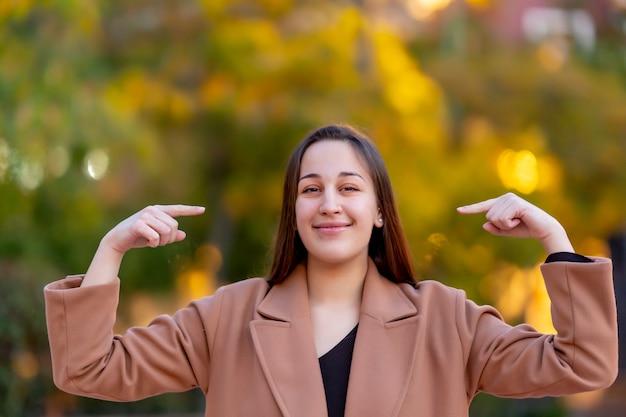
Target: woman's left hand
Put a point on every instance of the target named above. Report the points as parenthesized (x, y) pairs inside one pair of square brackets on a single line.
[(510, 215)]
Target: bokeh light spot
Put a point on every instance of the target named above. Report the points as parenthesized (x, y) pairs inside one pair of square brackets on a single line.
[(25, 365), (518, 170), (30, 175), (423, 9), (552, 55), (58, 161), (96, 164)]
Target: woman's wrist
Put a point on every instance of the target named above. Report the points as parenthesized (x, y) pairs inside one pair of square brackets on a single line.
[(557, 241), (104, 267)]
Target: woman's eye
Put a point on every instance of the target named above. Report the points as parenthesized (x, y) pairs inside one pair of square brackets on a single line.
[(350, 188), (310, 190)]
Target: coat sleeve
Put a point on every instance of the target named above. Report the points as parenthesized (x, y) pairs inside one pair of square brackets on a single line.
[(171, 354), (521, 362)]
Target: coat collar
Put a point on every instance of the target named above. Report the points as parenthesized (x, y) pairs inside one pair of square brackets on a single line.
[(382, 299), (383, 357)]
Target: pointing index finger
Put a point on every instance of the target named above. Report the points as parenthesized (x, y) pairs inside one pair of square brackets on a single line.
[(177, 210), (480, 207)]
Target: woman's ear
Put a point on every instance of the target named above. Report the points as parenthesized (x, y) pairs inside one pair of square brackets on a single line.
[(379, 218)]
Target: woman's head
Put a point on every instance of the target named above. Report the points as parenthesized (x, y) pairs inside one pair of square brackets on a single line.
[(387, 246)]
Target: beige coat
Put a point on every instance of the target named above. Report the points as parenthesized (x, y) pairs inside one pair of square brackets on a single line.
[(419, 351)]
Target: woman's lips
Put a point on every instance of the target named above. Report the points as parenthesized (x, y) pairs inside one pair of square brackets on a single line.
[(331, 227)]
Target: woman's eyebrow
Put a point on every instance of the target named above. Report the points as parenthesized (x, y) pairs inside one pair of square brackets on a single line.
[(341, 174), (351, 174)]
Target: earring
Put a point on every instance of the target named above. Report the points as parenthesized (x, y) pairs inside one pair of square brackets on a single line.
[(380, 220)]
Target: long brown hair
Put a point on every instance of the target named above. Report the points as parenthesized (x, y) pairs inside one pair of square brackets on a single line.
[(388, 246)]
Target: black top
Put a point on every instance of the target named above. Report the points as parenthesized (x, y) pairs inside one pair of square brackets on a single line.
[(567, 257), (335, 366)]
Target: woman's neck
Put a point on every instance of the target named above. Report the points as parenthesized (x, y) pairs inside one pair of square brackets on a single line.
[(336, 284), (335, 300)]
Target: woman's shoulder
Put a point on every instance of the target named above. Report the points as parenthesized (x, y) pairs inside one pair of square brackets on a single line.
[(247, 292), (430, 286), (246, 286), (433, 293), (444, 304)]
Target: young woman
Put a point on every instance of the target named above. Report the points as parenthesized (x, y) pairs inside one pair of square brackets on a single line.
[(340, 326)]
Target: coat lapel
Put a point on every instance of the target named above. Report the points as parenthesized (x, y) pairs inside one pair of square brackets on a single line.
[(385, 349), (383, 358), (283, 340)]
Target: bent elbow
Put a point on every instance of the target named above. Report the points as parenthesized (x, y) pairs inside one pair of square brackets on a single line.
[(89, 386), (62, 380), (601, 373), (606, 378)]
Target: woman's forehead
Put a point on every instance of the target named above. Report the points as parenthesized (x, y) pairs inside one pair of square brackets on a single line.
[(332, 157)]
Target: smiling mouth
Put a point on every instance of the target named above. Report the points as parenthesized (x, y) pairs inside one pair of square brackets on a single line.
[(332, 227)]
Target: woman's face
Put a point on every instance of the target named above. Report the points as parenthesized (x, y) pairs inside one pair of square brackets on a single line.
[(336, 205)]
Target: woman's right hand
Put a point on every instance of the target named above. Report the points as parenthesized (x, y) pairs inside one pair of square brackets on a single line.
[(153, 226)]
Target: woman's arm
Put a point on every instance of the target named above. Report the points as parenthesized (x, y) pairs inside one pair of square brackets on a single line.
[(171, 354), (153, 226), (87, 359), (521, 362)]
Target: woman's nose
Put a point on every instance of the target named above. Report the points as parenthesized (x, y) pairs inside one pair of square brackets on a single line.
[(330, 203)]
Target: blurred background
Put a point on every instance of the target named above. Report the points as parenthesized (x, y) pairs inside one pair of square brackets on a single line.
[(106, 107)]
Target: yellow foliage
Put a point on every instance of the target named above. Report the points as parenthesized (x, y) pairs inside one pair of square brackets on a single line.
[(275, 6), (609, 212), (437, 240), (350, 20), (181, 106), (550, 173), (520, 293), (512, 301), (125, 96), (143, 308), (216, 89), (135, 91), (410, 92), (15, 8), (537, 312), (392, 59), (195, 284), (88, 16), (479, 4), (476, 130), (214, 8), (201, 279), (593, 246), (478, 259)]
